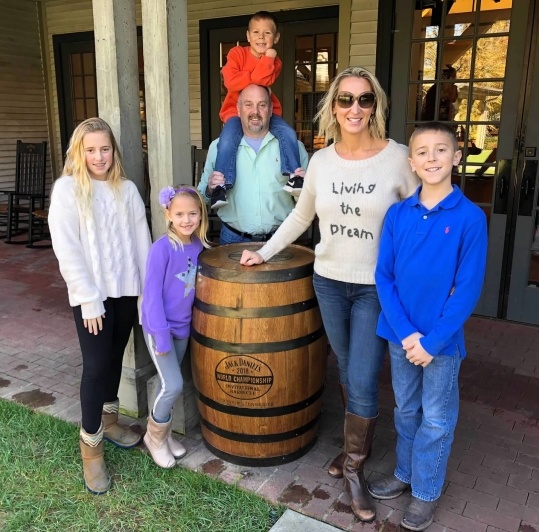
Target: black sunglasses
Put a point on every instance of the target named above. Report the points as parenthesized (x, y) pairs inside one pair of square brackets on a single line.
[(345, 100)]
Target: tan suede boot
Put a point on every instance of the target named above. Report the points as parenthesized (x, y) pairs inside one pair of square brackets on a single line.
[(96, 476), (358, 433), (176, 448), (335, 468), (115, 432), (156, 441)]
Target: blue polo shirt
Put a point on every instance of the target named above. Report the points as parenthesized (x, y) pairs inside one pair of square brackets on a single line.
[(430, 271)]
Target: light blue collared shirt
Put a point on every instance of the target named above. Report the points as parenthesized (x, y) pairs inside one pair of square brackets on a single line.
[(257, 204)]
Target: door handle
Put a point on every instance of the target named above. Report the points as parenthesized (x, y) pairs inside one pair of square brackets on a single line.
[(501, 196), (527, 188)]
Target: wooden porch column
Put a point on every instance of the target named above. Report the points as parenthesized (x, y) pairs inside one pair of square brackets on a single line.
[(166, 78), (115, 31)]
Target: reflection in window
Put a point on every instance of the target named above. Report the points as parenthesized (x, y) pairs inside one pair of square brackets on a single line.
[(458, 59)]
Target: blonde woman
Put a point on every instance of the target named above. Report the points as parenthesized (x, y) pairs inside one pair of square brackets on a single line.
[(167, 306), (350, 185), (101, 239)]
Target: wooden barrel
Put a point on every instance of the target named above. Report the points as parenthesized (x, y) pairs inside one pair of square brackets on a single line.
[(259, 355)]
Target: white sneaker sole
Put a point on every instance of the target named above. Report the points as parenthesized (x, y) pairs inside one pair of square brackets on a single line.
[(292, 191)]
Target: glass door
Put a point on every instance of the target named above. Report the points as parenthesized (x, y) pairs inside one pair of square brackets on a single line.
[(465, 63)]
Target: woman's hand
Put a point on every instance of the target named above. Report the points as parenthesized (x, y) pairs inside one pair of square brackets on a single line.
[(250, 258), (94, 325)]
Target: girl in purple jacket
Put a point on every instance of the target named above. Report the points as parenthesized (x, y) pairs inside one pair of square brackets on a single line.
[(167, 305)]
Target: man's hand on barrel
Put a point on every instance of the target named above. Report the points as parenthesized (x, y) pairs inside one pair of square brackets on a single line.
[(250, 258)]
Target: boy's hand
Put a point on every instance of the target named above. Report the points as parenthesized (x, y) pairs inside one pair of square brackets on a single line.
[(411, 340), (418, 356), (271, 52)]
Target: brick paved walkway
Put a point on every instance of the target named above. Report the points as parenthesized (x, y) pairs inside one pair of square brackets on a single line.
[(493, 477)]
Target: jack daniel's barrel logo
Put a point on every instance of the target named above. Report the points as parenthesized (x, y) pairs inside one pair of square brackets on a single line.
[(243, 377)]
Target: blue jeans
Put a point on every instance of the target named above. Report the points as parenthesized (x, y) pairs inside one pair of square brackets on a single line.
[(350, 314), (226, 236), (425, 419), (230, 139)]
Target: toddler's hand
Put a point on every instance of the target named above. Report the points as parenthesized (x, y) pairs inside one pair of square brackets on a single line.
[(299, 171)]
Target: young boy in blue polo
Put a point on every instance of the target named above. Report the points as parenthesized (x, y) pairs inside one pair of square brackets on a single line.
[(429, 277)]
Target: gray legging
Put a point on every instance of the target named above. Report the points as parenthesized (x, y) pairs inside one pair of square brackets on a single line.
[(170, 376)]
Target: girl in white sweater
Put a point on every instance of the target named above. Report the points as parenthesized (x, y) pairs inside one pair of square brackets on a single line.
[(101, 239), (350, 185)]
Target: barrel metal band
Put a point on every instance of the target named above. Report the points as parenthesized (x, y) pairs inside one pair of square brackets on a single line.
[(261, 462), (266, 312), (256, 276), (261, 438), (261, 412), (264, 347)]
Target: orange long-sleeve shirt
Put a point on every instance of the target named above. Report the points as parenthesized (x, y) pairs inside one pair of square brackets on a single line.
[(243, 68)]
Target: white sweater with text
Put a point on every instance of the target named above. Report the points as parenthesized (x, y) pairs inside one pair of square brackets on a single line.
[(350, 199)]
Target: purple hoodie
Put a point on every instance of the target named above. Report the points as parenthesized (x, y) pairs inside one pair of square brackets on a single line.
[(169, 291)]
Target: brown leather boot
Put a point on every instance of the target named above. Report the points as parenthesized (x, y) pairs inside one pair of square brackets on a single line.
[(335, 468), (96, 476), (358, 433), (115, 432)]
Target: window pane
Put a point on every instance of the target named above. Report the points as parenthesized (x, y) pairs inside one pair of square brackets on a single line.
[(440, 102), (426, 25), (457, 55), (78, 90), (490, 57), (423, 63), (486, 101), (80, 111), (325, 45), (89, 86), (88, 63), (304, 132), (415, 100), (495, 16), (305, 49), (322, 77), (304, 109), (76, 64), (304, 77), (91, 107), (460, 19)]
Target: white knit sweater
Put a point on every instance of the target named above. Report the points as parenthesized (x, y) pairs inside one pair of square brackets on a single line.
[(103, 255), (351, 199)]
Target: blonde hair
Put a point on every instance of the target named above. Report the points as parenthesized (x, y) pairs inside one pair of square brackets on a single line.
[(187, 191), (330, 128), (75, 163)]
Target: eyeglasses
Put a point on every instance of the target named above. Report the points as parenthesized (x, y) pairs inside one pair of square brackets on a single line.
[(345, 100)]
